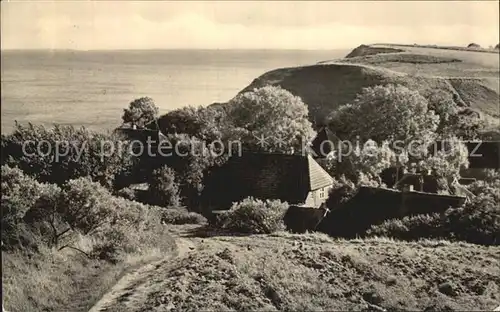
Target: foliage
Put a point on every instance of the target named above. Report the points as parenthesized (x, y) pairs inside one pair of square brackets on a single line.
[(140, 112), (478, 221), (181, 216), (20, 194), (191, 163), (391, 112), (36, 215), (163, 189), (466, 124), (448, 159), (366, 162), (442, 103), (254, 216), (490, 188), (273, 113), (411, 227), (63, 152), (127, 193), (340, 193), (85, 205), (205, 123)]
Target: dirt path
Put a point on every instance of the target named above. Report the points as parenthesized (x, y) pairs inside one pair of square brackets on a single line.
[(133, 285)]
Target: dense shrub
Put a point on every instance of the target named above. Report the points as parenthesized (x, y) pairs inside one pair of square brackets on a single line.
[(491, 188), (80, 153), (340, 193), (20, 194), (127, 193), (181, 216), (254, 216), (411, 227), (163, 189), (36, 214), (192, 167), (478, 221)]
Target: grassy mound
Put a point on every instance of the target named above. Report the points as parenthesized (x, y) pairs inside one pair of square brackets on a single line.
[(313, 272), (471, 77), (402, 58), (364, 50)]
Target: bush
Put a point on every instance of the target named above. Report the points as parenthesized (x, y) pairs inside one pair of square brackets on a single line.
[(163, 189), (411, 227), (127, 193), (20, 195), (478, 221), (254, 216), (80, 153), (340, 194), (491, 188), (85, 205), (181, 216), (36, 214)]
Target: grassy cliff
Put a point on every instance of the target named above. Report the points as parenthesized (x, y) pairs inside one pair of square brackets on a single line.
[(470, 76)]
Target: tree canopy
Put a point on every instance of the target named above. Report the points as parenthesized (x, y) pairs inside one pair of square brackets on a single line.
[(270, 119), (391, 112), (140, 112)]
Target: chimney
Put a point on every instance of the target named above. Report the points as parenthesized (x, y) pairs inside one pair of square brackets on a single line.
[(407, 188)]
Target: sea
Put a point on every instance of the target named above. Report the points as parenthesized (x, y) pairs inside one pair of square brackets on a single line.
[(91, 88)]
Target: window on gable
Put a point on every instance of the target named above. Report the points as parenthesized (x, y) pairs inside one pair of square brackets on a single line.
[(322, 193)]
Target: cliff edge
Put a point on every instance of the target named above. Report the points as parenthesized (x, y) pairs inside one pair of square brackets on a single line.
[(470, 76)]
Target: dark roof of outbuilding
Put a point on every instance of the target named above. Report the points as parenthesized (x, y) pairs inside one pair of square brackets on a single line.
[(324, 142)]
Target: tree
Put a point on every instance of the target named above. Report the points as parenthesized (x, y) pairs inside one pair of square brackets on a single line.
[(389, 112), (447, 160), (442, 103), (85, 205), (466, 124), (140, 112), (61, 153), (163, 189), (362, 162), (192, 160), (271, 119), (204, 123)]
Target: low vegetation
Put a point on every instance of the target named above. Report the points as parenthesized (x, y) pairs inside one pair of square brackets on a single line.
[(254, 216), (64, 246), (312, 272), (478, 221)]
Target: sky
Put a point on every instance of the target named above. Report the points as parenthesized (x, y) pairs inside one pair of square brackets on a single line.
[(96, 25)]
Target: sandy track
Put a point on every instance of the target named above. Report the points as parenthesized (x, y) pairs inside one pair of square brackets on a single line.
[(133, 286)]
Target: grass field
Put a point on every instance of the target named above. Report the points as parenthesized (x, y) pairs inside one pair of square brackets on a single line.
[(66, 280), (313, 272)]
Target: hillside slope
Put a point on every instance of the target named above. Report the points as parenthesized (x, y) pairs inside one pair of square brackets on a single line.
[(470, 76), (313, 272)]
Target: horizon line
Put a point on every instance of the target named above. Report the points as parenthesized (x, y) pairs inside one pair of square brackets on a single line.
[(170, 49)]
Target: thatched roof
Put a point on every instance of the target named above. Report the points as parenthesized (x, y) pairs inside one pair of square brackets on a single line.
[(324, 143), (267, 176)]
